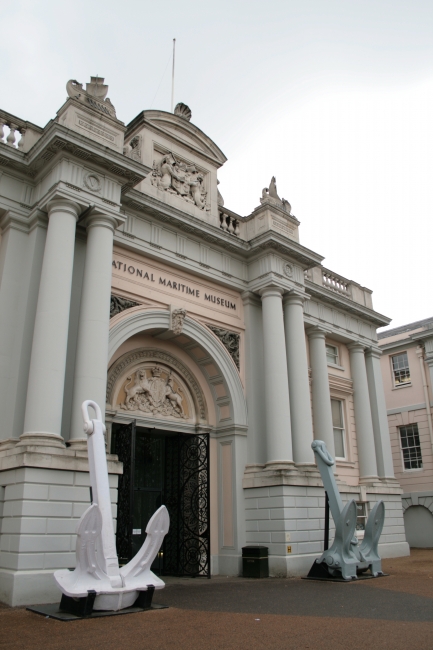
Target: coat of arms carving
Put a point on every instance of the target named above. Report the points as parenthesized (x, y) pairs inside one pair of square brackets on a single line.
[(154, 394), (183, 180)]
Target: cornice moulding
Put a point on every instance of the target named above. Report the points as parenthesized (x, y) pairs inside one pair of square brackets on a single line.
[(155, 120), (58, 139), (327, 295)]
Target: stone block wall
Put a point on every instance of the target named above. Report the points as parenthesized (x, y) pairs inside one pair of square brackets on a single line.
[(294, 516), (41, 508)]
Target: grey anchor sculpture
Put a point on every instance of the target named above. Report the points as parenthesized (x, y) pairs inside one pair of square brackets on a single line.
[(97, 575), (346, 555)]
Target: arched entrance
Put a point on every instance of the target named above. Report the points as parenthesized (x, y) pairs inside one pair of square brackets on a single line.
[(166, 393)]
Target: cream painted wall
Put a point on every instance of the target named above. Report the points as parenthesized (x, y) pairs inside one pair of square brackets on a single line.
[(400, 400)]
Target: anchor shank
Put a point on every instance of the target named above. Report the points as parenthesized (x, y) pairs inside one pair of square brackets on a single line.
[(101, 495)]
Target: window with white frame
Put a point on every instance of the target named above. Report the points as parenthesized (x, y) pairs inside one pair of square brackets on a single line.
[(332, 354), (400, 369), (410, 447), (338, 425)]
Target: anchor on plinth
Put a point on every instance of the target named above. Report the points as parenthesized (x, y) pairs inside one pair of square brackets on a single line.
[(97, 582), (347, 559)]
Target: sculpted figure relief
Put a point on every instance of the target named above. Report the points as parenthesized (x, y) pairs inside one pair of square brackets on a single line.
[(153, 394), (176, 177), (270, 194)]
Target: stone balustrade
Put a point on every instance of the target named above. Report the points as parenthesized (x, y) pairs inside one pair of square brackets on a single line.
[(340, 285), (29, 132), (336, 283), (229, 224)]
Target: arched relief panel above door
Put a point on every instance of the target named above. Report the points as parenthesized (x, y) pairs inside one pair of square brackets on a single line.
[(201, 345), (153, 383)]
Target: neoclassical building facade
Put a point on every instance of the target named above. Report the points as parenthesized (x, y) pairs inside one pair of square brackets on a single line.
[(218, 347), (407, 370)]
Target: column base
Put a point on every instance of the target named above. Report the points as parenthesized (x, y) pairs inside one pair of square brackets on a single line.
[(273, 465), (370, 480), (40, 439), (78, 444), (8, 443)]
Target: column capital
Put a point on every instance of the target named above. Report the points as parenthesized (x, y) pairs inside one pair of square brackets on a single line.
[(356, 346), (316, 332), (373, 352), (13, 220), (419, 351), (295, 298), (62, 204), (271, 291), (96, 219), (250, 298)]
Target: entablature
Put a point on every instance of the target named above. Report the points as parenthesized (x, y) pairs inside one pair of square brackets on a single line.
[(56, 140)]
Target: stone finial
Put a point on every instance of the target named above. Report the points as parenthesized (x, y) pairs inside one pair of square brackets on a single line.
[(184, 111)]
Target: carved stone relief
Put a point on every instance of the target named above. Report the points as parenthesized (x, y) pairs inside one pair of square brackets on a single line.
[(148, 359), (133, 148), (94, 95), (154, 391), (177, 177), (230, 340), (118, 304), (92, 182), (177, 317)]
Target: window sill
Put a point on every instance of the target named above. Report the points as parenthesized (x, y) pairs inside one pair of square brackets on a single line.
[(408, 385), (415, 469), (336, 366), (344, 461)]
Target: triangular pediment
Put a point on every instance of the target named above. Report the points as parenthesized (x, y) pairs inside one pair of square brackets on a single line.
[(178, 130)]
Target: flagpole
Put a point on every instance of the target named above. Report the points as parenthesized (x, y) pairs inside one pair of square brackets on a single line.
[(172, 76)]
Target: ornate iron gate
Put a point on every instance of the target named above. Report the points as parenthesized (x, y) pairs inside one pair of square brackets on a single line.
[(187, 546), (124, 447), (186, 494)]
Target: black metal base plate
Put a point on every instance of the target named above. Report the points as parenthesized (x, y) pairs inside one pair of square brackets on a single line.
[(53, 611), (320, 572)]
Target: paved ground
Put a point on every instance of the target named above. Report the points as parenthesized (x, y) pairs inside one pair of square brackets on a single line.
[(394, 613)]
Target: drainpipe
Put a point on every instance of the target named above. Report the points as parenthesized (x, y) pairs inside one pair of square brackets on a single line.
[(420, 355)]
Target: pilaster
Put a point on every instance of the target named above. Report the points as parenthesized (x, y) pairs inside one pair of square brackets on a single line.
[(21, 252), (255, 386), (379, 416)]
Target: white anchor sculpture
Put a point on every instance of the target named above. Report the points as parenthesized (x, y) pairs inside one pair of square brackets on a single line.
[(97, 567)]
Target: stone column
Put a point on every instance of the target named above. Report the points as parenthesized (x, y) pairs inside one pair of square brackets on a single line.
[(43, 417), (322, 414), (278, 430), (382, 440), (299, 387), (363, 419), (90, 381)]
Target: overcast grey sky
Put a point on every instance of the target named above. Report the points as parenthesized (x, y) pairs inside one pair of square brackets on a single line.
[(333, 97)]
